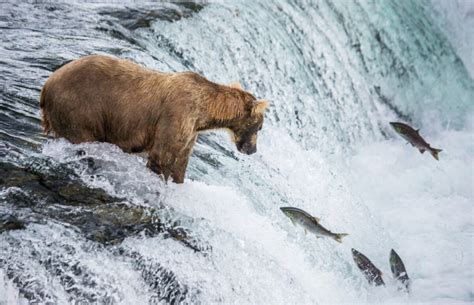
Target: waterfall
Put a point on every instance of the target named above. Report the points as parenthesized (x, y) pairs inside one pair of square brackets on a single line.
[(93, 225)]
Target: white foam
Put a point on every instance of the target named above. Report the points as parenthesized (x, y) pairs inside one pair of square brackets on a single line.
[(322, 152), (456, 19), (10, 294)]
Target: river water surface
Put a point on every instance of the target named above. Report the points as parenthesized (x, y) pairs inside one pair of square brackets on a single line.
[(90, 224)]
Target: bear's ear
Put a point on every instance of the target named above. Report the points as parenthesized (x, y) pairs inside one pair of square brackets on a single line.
[(259, 107), (235, 85)]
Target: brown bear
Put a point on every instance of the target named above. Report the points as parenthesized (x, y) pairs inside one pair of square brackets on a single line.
[(107, 99)]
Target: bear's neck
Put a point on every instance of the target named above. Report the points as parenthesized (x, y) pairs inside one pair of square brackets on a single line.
[(216, 124), (221, 112)]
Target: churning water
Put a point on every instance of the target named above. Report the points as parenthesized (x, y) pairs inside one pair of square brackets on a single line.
[(93, 225)]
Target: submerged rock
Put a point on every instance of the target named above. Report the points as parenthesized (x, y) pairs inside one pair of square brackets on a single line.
[(9, 222), (44, 193), (38, 192), (134, 18)]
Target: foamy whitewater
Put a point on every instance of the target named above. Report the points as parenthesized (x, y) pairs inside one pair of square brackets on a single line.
[(335, 74)]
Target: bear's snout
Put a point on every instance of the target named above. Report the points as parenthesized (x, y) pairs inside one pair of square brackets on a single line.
[(247, 148), (252, 150)]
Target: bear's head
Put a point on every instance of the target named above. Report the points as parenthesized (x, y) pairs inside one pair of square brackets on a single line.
[(244, 130)]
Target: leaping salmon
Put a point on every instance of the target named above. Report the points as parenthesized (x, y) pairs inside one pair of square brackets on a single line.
[(310, 223), (413, 137)]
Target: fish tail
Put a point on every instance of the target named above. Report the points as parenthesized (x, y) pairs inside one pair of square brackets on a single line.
[(434, 152), (339, 236)]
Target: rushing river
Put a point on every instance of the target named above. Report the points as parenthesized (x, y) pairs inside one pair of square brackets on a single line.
[(89, 223)]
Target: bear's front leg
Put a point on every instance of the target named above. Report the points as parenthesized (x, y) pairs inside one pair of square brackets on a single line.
[(170, 154), (182, 161), (179, 171), (161, 163)]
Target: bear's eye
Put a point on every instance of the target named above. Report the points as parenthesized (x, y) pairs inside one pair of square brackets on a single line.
[(260, 128)]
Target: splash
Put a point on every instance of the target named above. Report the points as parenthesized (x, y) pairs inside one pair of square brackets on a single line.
[(335, 74)]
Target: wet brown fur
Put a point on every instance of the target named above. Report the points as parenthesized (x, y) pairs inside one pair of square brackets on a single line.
[(106, 99)]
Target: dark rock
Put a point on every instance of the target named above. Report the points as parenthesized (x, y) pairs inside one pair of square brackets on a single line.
[(134, 18), (42, 191), (166, 288), (9, 222)]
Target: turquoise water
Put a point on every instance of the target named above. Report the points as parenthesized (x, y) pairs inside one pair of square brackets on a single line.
[(335, 73)]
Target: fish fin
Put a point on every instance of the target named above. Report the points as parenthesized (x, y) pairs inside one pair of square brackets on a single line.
[(339, 236), (434, 153), (305, 232), (316, 219), (422, 150)]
